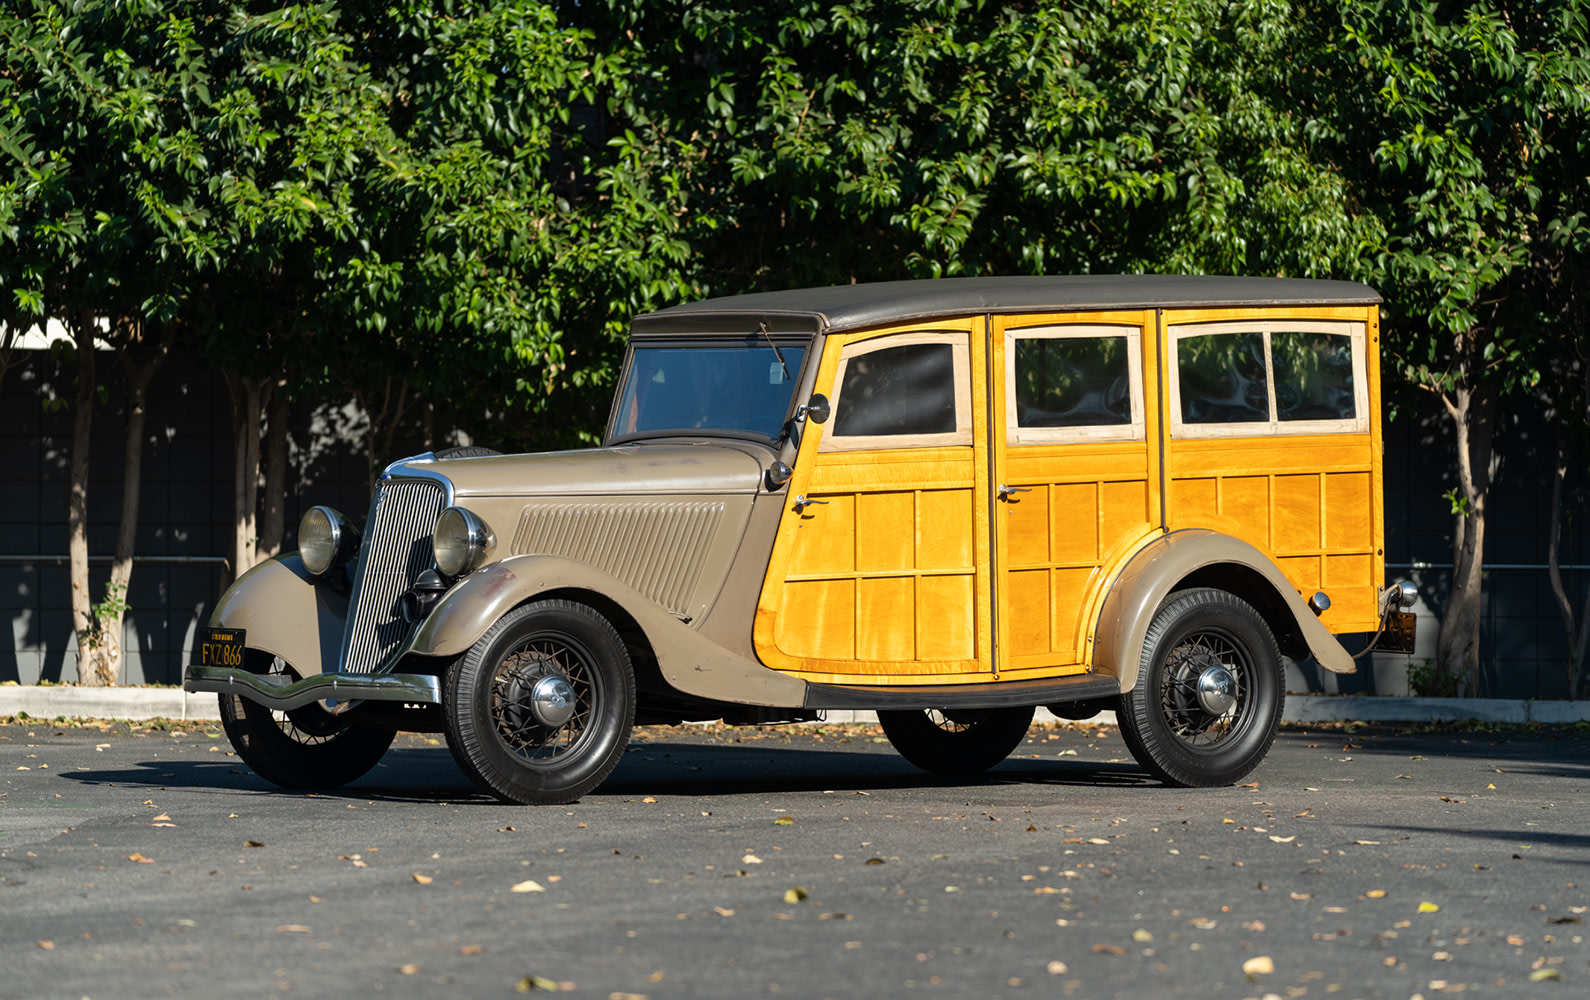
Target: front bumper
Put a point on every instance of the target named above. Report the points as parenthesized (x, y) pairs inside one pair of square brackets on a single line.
[(282, 693)]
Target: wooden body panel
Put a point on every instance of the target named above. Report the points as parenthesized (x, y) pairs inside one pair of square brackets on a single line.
[(912, 568)]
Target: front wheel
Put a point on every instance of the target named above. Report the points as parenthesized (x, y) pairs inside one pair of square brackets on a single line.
[(1207, 701), (540, 708), (306, 747), (956, 741)]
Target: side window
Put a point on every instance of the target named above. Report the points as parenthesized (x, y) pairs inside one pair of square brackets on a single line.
[(1268, 377), (1073, 383), (904, 391)]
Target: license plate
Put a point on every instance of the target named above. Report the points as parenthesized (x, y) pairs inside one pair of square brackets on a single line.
[(218, 647), (1400, 631)]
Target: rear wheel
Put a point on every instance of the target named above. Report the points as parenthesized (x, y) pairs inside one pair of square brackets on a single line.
[(956, 741), (540, 708), (1208, 696), (305, 747)]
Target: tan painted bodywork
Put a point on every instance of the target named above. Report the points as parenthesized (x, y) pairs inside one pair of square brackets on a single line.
[(688, 660), (286, 614)]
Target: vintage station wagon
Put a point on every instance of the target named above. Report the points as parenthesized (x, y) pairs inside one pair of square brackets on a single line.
[(945, 501)]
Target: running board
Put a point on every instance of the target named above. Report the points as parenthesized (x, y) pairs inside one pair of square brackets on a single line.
[(281, 693), (1012, 694)]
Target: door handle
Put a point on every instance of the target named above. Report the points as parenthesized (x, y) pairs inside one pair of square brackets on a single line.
[(801, 503), (1006, 491)]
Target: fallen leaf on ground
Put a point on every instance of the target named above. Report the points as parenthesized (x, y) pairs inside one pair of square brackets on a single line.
[(1376, 893), (1428, 907), (1058, 968), (47, 945), (795, 894), (750, 859), (1540, 975), (1259, 965), (423, 879), (408, 970), (1283, 840), (529, 885), (293, 929), (1108, 949), (472, 949), (529, 983)]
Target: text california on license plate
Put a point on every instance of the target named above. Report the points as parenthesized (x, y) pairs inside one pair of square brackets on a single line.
[(218, 647)]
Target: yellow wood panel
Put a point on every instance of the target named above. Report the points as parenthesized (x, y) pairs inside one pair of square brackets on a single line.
[(817, 619), (946, 528), (887, 540), (1297, 513), (1245, 500), (1027, 525), (1069, 593), (1194, 499), (1303, 454), (1349, 515), (1123, 512), (825, 538), (882, 604), (1074, 522), (1027, 607), (946, 620), (867, 471), (1036, 463)]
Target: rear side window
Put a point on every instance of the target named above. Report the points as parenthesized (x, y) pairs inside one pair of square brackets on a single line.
[(1073, 383), (906, 390), (1268, 377)]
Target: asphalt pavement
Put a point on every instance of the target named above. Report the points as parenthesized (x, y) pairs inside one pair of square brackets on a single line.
[(147, 861)]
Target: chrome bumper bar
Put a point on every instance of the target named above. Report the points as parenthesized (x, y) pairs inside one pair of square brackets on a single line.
[(282, 693)]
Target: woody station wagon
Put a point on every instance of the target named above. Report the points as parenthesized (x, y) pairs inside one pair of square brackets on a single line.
[(948, 502)]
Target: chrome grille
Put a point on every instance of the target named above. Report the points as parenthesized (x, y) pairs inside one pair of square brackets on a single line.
[(396, 549)]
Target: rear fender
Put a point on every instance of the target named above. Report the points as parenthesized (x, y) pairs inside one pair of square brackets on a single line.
[(286, 613), (688, 661), (1209, 558)]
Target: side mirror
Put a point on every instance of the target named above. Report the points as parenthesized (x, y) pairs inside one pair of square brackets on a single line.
[(816, 409)]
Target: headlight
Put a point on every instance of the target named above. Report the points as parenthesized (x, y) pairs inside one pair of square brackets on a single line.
[(325, 540), (461, 540)]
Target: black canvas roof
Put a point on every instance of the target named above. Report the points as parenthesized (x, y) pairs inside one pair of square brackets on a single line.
[(847, 307)]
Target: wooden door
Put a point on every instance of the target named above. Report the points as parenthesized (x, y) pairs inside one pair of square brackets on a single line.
[(1076, 480), (882, 575)]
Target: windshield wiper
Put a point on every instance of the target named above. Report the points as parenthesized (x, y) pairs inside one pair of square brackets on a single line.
[(762, 326)]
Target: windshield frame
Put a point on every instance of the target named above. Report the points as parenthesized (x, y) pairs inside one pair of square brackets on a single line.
[(799, 378)]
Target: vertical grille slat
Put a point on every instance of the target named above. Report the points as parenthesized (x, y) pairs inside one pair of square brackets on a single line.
[(396, 550)]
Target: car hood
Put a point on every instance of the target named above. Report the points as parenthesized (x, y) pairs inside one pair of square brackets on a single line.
[(670, 470)]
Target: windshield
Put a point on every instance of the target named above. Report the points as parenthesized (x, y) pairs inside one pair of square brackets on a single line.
[(735, 389)]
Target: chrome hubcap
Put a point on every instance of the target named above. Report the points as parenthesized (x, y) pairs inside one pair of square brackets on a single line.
[(552, 700), (1216, 689)]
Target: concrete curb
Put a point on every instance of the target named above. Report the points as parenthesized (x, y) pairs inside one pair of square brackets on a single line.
[(136, 704)]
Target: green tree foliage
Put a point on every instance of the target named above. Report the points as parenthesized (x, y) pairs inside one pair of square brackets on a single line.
[(1462, 129)]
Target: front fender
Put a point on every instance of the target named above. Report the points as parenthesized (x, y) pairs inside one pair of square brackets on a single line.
[(688, 660), (287, 614), (1161, 566)]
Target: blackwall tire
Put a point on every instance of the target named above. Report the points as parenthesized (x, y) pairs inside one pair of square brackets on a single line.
[(962, 741), (496, 690), (306, 747), (1209, 691)]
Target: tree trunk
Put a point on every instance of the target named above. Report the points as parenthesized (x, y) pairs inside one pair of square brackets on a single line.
[(113, 609), (248, 398), (272, 521), (88, 640), (1473, 413)]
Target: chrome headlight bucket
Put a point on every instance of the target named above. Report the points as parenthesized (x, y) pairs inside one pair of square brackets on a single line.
[(326, 540), (461, 541)]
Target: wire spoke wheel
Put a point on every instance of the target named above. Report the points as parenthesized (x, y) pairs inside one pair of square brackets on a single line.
[(956, 741), (305, 747), (1208, 696), (540, 708), (514, 705), (1203, 688)]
